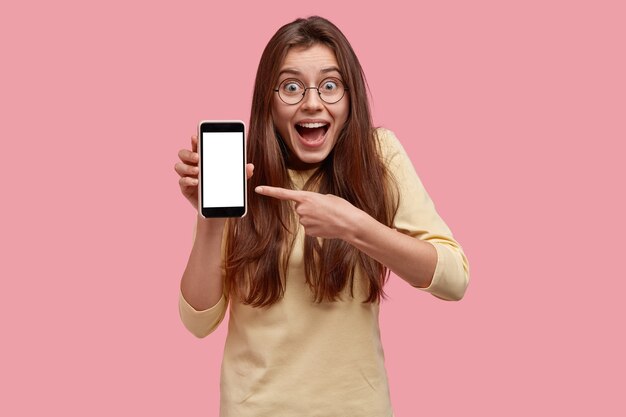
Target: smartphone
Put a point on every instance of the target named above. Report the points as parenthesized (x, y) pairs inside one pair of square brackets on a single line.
[(222, 179)]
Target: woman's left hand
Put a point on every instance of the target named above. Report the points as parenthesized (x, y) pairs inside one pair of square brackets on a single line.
[(322, 215)]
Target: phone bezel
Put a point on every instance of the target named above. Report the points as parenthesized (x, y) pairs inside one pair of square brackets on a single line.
[(221, 126)]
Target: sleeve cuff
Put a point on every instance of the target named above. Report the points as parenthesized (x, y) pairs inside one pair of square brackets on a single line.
[(201, 322), (451, 275)]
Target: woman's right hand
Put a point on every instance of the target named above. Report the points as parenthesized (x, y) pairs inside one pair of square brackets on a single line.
[(188, 171)]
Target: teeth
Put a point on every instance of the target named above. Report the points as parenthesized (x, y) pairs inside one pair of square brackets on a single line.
[(312, 125)]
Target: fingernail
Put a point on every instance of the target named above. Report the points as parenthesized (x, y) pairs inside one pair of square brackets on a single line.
[(259, 189)]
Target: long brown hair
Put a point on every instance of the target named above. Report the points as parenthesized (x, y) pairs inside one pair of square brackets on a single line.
[(258, 245)]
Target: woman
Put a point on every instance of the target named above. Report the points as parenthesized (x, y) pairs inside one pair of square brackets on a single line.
[(336, 205)]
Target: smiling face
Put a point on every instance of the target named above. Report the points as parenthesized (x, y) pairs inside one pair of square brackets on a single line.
[(311, 127)]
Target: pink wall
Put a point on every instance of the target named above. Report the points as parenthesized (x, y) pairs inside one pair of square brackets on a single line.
[(514, 116)]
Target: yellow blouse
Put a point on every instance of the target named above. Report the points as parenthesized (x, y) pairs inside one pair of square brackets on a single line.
[(299, 358)]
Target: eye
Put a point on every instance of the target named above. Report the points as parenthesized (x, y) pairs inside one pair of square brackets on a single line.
[(330, 85), (291, 87)]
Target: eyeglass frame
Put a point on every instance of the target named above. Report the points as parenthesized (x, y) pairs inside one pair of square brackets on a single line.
[(319, 93)]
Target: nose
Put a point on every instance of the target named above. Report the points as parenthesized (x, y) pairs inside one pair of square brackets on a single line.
[(312, 99)]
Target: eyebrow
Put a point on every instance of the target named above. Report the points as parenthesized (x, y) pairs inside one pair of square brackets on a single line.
[(297, 72)]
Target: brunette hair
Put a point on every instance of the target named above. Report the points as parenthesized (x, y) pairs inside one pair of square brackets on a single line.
[(258, 245)]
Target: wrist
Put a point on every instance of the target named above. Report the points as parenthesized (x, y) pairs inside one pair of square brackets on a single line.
[(357, 225), (209, 226)]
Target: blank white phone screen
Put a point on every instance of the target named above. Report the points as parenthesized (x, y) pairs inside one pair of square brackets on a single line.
[(222, 169)]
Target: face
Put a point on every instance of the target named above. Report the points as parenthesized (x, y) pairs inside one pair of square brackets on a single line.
[(311, 127)]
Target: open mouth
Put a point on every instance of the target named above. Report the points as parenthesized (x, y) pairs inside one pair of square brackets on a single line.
[(312, 133)]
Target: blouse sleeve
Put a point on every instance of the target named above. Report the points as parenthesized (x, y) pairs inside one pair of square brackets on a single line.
[(417, 217)]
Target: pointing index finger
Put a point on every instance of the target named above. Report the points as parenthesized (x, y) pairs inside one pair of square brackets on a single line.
[(280, 193)]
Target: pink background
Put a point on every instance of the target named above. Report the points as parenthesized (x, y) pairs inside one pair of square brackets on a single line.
[(514, 116)]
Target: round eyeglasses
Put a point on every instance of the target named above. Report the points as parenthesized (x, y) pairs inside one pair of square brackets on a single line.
[(292, 91)]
